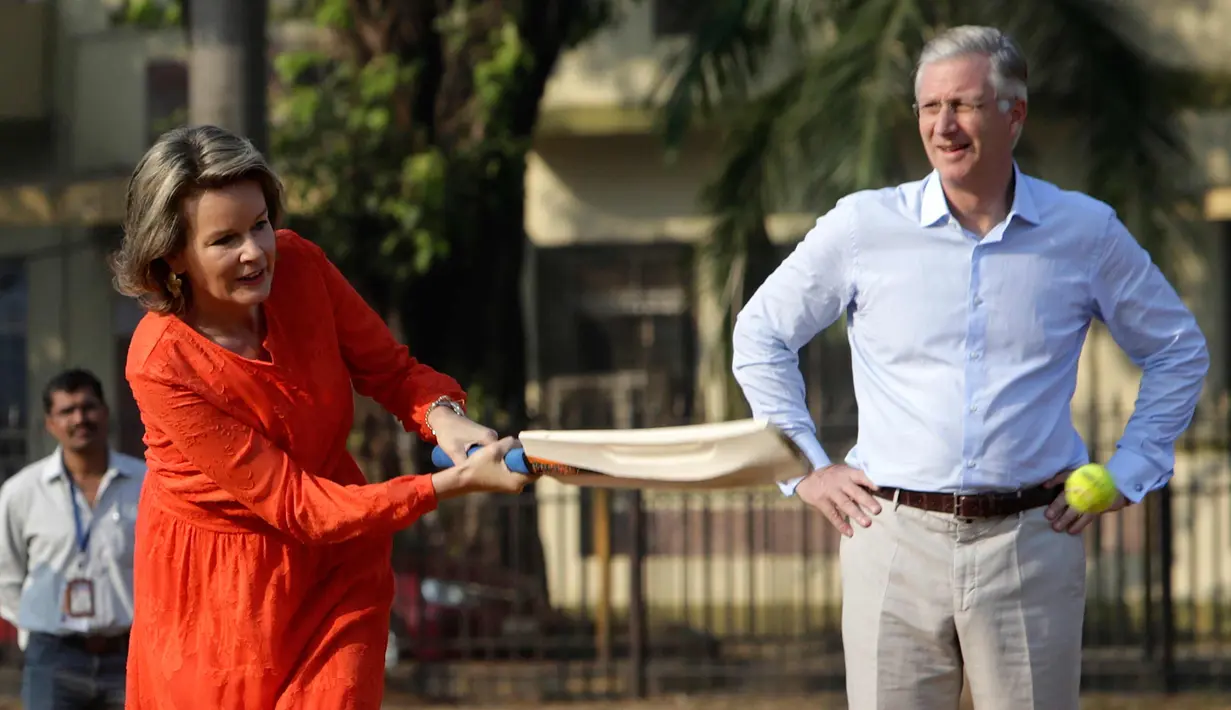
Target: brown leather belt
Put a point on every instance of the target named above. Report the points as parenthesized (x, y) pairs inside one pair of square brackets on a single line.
[(97, 644), (975, 505)]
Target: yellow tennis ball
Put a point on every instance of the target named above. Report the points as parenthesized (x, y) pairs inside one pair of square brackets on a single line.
[(1090, 489)]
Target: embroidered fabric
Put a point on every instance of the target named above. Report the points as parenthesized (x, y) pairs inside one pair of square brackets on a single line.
[(262, 574)]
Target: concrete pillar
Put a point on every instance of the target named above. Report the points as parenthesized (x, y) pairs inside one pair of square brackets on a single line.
[(228, 71), (713, 362), (69, 323)]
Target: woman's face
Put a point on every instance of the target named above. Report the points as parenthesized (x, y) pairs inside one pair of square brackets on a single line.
[(230, 250)]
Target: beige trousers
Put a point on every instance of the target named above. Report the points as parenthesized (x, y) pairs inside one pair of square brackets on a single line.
[(928, 597)]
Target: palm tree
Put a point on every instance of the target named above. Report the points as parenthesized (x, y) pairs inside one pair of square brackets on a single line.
[(813, 100)]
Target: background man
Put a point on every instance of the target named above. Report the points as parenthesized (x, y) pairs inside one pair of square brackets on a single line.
[(66, 553)]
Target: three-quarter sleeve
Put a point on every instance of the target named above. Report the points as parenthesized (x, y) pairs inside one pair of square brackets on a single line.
[(246, 464), (380, 366)]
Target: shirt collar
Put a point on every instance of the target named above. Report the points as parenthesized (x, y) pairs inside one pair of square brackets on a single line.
[(934, 207), (54, 468)]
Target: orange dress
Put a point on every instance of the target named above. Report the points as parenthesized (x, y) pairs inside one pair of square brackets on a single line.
[(262, 573)]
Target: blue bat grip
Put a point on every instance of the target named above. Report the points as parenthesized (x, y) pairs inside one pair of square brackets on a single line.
[(515, 459)]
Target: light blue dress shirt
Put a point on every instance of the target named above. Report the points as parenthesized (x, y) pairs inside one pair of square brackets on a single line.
[(965, 350), (39, 550)]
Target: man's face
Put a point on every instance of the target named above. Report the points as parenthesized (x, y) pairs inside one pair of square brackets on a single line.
[(964, 132), (78, 420)]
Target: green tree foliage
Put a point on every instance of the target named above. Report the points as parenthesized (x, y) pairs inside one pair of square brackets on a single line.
[(147, 14)]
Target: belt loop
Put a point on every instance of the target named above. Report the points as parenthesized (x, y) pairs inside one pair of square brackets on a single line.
[(957, 504), (897, 492)]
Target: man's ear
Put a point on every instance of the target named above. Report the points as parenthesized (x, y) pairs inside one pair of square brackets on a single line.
[(1017, 114)]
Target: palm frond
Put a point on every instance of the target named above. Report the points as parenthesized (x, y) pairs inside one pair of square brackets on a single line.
[(854, 102), (740, 199), (725, 57), (840, 120), (1088, 72), (1197, 89)]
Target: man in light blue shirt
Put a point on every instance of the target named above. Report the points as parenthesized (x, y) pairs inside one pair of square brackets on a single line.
[(67, 527), (968, 296)]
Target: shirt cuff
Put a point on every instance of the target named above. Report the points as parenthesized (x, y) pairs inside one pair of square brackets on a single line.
[(1134, 475), (815, 453)]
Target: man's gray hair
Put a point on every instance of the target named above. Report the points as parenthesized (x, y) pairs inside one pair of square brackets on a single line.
[(1009, 69)]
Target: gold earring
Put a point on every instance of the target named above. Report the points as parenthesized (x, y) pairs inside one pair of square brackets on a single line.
[(174, 285)]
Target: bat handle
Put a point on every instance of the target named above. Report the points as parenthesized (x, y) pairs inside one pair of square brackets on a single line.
[(515, 459)]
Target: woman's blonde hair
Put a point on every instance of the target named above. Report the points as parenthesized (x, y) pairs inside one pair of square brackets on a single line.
[(182, 162)]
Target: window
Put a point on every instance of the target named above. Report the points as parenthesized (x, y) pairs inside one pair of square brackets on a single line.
[(14, 373), (166, 90), (615, 309), (616, 345)]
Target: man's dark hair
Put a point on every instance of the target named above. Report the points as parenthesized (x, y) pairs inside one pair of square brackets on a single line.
[(71, 381)]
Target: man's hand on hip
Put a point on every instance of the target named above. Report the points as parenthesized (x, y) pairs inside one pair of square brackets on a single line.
[(838, 491), (1065, 519)]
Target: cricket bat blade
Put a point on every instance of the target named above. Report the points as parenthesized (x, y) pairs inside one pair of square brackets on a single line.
[(741, 453)]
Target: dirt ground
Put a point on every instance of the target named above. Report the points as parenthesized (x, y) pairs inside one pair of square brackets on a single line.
[(811, 702), (829, 702)]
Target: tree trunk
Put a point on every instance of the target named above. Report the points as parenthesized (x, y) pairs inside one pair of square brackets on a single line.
[(228, 75)]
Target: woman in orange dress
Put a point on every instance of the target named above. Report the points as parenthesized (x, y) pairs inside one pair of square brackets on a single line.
[(262, 573)]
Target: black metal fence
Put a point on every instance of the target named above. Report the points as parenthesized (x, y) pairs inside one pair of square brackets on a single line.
[(738, 592)]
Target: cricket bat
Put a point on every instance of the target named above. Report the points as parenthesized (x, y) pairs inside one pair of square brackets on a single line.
[(736, 454)]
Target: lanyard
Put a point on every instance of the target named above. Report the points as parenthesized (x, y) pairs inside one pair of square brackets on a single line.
[(82, 532)]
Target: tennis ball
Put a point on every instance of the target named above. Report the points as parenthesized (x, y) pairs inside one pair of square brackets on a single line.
[(1090, 489)]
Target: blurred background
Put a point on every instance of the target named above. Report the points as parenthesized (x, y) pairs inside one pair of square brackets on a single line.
[(562, 203)]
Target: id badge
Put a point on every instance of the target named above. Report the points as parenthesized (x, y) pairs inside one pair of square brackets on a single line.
[(79, 599)]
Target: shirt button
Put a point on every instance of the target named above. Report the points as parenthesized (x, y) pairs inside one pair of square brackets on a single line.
[(1137, 487), (974, 407), (970, 464), (978, 301), (974, 355)]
